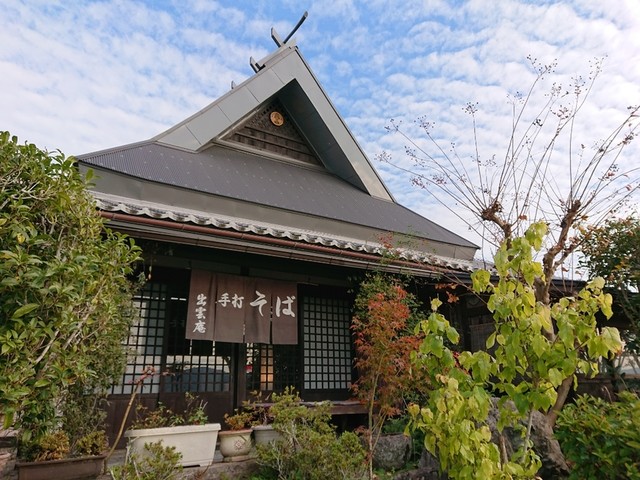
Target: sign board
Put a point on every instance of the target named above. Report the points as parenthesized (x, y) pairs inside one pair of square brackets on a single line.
[(229, 308)]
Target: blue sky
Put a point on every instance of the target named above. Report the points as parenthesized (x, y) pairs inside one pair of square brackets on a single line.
[(87, 75)]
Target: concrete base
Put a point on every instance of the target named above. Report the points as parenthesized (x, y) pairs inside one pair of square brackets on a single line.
[(218, 470), (237, 458)]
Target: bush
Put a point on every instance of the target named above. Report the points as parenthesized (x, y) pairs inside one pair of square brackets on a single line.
[(159, 463), (162, 416), (93, 443), (309, 447), (601, 439), (65, 288), (52, 446)]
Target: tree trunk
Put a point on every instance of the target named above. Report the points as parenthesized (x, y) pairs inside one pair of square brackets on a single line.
[(563, 392)]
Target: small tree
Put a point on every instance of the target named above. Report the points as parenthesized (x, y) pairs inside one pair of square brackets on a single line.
[(546, 173), (612, 251), (65, 296), (382, 327), (525, 367)]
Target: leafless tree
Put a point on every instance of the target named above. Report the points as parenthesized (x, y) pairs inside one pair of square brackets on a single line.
[(505, 194)]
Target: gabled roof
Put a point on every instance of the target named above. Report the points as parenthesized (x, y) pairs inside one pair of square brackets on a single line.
[(284, 75), (272, 156)]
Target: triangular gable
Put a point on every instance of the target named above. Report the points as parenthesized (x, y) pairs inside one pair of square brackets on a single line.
[(283, 77)]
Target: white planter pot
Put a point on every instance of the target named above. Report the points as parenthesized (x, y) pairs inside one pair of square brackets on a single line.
[(196, 443), (264, 434), (235, 443)]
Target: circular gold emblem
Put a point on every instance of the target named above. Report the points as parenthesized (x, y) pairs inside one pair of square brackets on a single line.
[(277, 119)]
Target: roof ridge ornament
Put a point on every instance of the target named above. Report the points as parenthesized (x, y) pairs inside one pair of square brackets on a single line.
[(279, 42), (276, 37)]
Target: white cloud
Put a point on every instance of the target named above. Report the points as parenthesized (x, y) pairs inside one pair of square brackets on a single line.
[(82, 76)]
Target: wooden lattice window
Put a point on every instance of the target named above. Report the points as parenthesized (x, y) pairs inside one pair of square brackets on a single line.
[(157, 339), (194, 365), (327, 343), (272, 367), (145, 342)]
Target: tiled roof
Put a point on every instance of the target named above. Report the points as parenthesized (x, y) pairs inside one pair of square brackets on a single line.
[(238, 175), (113, 203)]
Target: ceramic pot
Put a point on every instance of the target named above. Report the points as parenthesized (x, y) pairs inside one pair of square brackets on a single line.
[(264, 434), (196, 443), (235, 444), (65, 469)]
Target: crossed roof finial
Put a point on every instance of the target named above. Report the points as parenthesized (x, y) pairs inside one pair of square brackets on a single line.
[(276, 37), (279, 42)]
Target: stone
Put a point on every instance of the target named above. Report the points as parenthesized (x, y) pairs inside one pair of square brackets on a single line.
[(428, 469), (554, 465), (392, 452)]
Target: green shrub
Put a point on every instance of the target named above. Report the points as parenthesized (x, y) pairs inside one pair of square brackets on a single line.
[(159, 463), (601, 440), (162, 416), (51, 446), (93, 443), (309, 448), (65, 289)]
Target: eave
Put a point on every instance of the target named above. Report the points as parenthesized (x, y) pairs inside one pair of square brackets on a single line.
[(170, 225)]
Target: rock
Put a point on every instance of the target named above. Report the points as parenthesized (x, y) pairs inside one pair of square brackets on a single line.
[(554, 465), (392, 452), (545, 444), (428, 469), (428, 461)]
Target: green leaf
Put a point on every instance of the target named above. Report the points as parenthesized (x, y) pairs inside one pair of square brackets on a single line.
[(539, 344), (23, 310), (8, 418), (435, 304), (535, 234), (555, 376), (606, 305), (611, 339), (9, 282), (452, 335), (481, 280), (597, 283)]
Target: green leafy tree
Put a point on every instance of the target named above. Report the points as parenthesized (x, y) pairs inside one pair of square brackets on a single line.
[(65, 293), (550, 169), (612, 251), (525, 366)]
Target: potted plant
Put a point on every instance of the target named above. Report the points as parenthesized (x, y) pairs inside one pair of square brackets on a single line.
[(74, 447), (262, 422), (235, 443), (51, 456), (188, 432)]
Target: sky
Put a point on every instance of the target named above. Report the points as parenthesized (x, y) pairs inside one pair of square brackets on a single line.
[(81, 76)]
